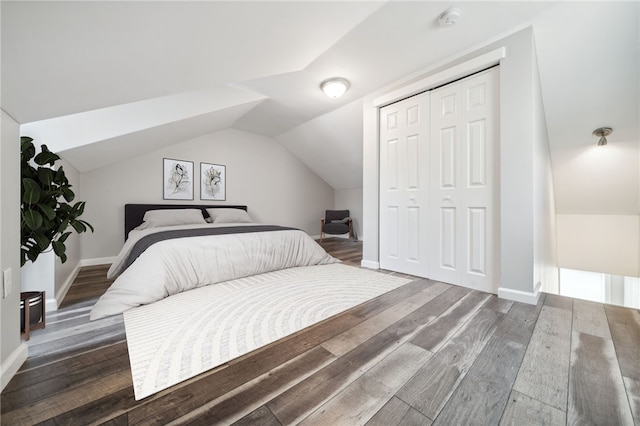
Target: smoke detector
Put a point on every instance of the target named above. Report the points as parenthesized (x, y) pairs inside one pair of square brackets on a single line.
[(449, 17)]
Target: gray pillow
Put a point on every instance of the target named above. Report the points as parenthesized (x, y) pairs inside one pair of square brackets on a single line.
[(223, 215), (169, 217)]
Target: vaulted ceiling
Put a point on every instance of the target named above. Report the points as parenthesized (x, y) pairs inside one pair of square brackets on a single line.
[(103, 81)]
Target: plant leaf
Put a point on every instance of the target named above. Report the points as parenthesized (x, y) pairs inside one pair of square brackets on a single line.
[(46, 157), (68, 194), (63, 225), (58, 247), (27, 150), (45, 176), (48, 211), (78, 226), (42, 240), (88, 225), (32, 219), (31, 194), (78, 208), (63, 237), (33, 253)]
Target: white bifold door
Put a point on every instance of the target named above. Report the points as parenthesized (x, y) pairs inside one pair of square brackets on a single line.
[(404, 185), (439, 183)]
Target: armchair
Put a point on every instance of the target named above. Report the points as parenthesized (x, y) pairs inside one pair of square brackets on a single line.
[(336, 222)]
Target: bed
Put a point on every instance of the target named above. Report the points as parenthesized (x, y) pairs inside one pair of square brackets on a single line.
[(174, 248)]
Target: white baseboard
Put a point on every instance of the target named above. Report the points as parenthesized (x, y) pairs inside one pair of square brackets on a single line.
[(53, 301), (13, 363), (370, 264), (62, 292), (51, 304), (521, 296), (98, 261)]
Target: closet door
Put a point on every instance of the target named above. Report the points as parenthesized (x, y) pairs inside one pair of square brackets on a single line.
[(404, 185), (464, 176)]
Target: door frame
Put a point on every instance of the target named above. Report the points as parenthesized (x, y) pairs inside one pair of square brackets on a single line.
[(444, 77), (371, 131)]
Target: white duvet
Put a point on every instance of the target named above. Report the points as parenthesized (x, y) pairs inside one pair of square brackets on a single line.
[(172, 266)]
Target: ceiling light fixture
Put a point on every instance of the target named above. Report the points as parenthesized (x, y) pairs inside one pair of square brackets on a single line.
[(334, 87), (602, 132), (449, 17)]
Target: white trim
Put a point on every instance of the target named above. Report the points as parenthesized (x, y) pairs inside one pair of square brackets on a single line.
[(51, 304), (64, 289), (521, 296), (450, 74), (370, 264), (403, 88), (98, 261), (13, 363)]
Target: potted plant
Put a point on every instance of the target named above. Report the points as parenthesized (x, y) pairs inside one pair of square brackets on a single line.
[(45, 210)]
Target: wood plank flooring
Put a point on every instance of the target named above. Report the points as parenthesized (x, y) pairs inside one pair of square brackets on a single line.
[(425, 353)]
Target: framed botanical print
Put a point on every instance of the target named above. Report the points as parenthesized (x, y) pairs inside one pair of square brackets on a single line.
[(178, 179), (213, 182)]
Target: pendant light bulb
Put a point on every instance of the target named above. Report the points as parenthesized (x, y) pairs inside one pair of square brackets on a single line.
[(602, 133)]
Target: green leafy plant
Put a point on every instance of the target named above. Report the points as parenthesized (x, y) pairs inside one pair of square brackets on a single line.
[(45, 210)]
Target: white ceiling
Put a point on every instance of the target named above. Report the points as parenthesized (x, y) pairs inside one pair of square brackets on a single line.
[(256, 66)]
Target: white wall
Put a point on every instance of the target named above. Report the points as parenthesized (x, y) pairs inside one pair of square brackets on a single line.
[(66, 272), (599, 243), (517, 106), (276, 187), (12, 351), (544, 226), (516, 164), (351, 199)]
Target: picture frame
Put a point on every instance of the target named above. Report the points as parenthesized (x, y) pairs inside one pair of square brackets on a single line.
[(213, 182), (177, 179)]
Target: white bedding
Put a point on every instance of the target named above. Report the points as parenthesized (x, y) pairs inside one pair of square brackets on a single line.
[(173, 266)]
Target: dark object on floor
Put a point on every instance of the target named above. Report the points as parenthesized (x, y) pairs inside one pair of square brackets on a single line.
[(336, 222), (31, 307)]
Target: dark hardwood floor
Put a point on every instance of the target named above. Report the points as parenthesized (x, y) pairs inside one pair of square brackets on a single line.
[(426, 353)]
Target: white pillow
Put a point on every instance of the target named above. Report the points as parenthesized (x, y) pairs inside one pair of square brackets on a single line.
[(229, 216), (168, 217)]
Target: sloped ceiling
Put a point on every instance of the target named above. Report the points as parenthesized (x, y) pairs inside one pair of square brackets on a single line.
[(97, 81)]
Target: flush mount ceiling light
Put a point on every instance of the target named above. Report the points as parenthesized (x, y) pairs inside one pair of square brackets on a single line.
[(602, 133), (334, 87), (449, 17)]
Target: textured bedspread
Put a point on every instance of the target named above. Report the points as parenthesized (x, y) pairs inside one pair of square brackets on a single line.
[(172, 266)]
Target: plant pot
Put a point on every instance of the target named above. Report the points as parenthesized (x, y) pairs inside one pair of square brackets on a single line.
[(35, 301)]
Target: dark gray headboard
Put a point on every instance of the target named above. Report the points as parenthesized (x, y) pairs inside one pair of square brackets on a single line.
[(134, 213)]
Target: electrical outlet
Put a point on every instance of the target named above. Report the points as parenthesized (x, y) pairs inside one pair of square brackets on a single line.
[(7, 283)]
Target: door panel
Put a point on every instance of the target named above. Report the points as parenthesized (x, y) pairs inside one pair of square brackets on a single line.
[(477, 153), (447, 157), (392, 165), (463, 119), (448, 238), (477, 242), (404, 186), (413, 165), (413, 245)]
